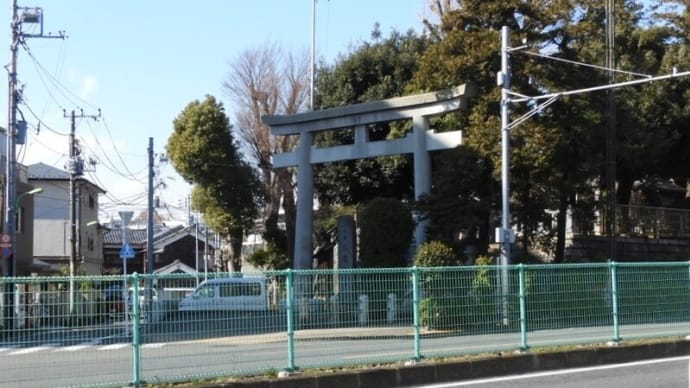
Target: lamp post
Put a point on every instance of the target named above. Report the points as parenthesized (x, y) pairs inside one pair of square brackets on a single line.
[(8, 252)]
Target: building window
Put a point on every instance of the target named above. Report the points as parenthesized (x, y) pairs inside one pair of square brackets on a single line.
[(92, 202)]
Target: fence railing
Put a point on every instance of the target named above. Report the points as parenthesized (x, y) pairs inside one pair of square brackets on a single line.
[(288, 320), (653, 222), (640, 221)]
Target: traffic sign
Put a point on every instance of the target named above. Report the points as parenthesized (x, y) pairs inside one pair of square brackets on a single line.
[(5, 240), (126, 252), (5, 245)]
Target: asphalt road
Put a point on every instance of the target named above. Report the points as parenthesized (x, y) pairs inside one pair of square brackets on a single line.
[(659, 373), (206, 347)]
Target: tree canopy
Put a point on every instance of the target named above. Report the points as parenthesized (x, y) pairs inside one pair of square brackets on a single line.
[(203, 151)]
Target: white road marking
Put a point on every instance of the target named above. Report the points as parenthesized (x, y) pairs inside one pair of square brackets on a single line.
[(153, 346), (114, 346), (32, 349), (73, 348), (555, 373)]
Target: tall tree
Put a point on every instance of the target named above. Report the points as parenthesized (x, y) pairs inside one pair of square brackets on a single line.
[(558, 154), (374, 70), (269, 81), (203, 151), (467, 49)]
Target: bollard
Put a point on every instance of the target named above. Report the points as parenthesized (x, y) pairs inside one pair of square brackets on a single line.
[(363, 310), (391, 307)]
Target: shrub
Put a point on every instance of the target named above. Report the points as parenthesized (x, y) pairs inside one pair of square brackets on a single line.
[(269, 257), (434, 254), (444, 303), (386, 228)]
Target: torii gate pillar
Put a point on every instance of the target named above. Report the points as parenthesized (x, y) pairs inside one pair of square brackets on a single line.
[(419, 142)]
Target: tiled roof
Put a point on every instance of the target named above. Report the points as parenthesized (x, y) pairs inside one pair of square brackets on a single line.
[(136, 236), (44, 171)]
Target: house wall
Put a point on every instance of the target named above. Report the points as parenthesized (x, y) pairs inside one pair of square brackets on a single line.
[(185, 251), (52, 225), (90, 237), (51, 221), (25, 232)]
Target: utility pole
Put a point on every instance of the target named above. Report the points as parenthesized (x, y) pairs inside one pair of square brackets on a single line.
[(17, 37), (148, 293), (504, 234), (610, 133), (313, 55), (75, 168)]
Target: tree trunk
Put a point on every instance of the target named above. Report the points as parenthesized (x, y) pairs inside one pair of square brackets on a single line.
[(235, 239)]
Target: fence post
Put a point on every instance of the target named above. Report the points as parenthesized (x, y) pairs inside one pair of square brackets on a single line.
[(136, 362), (614, 301), (290, 315), (523, 308), (415, 312)]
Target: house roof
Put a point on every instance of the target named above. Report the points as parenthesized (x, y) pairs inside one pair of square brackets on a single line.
[(162, 236), (175, 267), (42, 171), (46, 172), (136, 236)]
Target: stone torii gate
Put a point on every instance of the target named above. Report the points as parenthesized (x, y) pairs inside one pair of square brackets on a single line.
[(419, 142)]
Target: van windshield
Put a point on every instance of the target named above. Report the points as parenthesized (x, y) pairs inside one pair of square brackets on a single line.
[(205, 291)]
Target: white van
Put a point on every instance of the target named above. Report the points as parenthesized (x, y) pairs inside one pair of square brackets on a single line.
[(228, 294)]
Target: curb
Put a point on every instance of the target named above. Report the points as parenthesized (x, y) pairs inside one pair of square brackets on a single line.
[(501, 364)]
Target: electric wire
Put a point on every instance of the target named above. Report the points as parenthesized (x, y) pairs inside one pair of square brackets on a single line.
[(536, 54), (56, 91), (117, 151), (40, 121), (110, 165), (66, 92)]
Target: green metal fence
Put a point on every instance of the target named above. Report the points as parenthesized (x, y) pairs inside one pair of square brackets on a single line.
[(115, 331)]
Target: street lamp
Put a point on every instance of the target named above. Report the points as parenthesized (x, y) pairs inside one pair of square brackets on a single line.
[(8, 252), (12, 229)]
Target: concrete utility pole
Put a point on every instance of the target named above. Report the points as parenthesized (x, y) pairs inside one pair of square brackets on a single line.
[(148, 293), (75, 168), (611, 133), (504, 234), (313, 55), (17, 37)]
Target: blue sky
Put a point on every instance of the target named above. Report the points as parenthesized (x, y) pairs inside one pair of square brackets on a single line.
[(142, 62)]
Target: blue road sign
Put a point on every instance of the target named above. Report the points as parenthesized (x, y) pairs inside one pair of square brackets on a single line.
[(126, 252)]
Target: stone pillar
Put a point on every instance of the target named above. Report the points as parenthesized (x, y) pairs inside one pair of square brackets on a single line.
[(422, 171), (305, 204), (344, 258)]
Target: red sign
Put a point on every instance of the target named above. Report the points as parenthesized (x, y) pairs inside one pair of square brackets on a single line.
[(5, 240), (5, 245)]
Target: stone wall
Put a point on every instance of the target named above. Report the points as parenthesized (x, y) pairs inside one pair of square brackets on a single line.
[(596, 248)]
